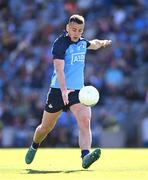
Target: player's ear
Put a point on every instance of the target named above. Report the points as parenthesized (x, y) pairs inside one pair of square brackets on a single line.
[(67, 27)]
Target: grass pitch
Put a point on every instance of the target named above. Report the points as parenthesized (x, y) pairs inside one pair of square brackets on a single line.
[(65, 164)]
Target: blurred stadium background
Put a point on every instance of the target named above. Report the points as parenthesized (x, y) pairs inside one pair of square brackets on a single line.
[(120, 72)]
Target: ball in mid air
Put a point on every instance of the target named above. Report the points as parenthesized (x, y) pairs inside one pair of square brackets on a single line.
[(89, 96)]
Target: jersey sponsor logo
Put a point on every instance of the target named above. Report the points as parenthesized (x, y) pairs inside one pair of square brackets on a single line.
[(78, 57)]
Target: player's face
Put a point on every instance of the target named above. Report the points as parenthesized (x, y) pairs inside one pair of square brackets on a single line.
[(75, 31)]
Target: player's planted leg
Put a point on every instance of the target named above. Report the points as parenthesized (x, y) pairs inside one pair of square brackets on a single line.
[(48, 123), (91, 158), (30, 155)]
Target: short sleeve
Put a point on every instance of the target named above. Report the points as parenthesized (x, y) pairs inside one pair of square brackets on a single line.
[(58, 49), (87, 43)]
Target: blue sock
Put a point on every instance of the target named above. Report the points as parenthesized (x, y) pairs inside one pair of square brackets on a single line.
[(35, 145), (84, 153)]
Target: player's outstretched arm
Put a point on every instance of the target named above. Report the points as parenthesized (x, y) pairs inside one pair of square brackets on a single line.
[(96, 44)]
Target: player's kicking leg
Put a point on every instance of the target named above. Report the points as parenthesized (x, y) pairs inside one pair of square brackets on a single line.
[(91, 158), (48, 123), (83, 116)]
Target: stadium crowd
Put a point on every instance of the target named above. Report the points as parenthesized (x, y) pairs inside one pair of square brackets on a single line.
[(27, 31)]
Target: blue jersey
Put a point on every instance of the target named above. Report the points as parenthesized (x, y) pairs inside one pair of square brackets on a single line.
[(73, 53)]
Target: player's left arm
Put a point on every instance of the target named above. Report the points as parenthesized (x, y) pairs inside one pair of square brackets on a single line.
[(96, 44)]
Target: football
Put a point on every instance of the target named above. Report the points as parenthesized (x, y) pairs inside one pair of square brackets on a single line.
[(89, 96)]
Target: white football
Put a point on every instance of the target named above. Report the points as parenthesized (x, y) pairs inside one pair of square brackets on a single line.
[(89, 96)]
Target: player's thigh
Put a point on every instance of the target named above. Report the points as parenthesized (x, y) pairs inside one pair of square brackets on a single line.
[(82, 113), (49, 119)]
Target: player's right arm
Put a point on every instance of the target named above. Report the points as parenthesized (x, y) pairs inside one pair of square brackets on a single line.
[(59, 68), (58, 52)]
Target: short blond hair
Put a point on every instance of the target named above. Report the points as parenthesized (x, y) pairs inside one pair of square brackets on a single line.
[(77, 19)]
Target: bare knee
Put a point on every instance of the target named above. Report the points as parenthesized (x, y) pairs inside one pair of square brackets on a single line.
[(43, 129)]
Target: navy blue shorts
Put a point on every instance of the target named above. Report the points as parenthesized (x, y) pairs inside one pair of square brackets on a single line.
[(54, 102)]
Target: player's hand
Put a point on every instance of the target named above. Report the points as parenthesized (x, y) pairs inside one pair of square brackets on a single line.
[(106, 43), (65, 94)]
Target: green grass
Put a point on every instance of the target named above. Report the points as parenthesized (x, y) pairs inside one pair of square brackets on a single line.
[(65, 164)]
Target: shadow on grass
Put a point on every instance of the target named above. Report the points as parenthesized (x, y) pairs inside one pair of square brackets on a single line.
[(33, 171)]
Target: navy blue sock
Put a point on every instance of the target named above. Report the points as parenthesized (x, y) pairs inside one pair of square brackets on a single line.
[(84, 153), (35, 145)]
